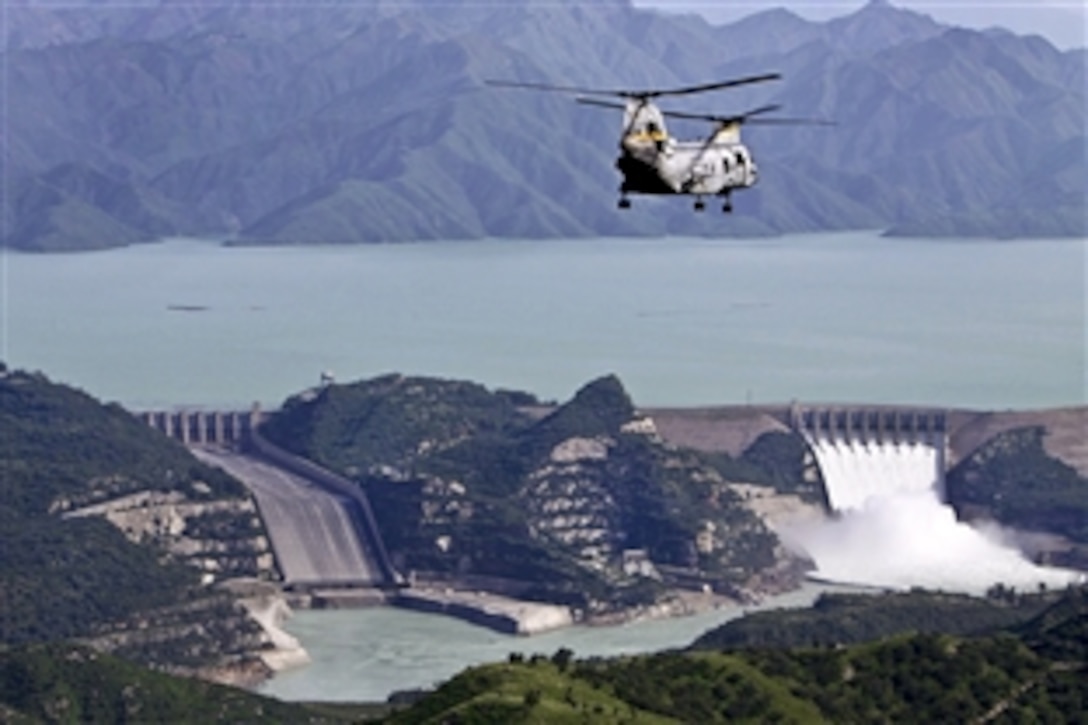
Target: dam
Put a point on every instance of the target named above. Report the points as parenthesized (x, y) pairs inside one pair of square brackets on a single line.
[(883, 471), (868, 454), (321, 527)]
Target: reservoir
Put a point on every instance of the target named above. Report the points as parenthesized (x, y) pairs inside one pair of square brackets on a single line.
[(848, 317), (825, 317), (365, 654)]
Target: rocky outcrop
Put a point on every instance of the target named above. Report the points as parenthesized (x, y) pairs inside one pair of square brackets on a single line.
[(222, 538), (283, 650), (1065, 432), (569, 503), (503, 614), (213, 637)]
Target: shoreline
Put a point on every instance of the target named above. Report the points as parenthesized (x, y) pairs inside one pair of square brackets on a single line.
[(353, 650), (505, 614)]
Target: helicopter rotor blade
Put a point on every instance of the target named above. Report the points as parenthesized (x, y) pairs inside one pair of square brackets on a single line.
[(762, 109), (598, 102), (715, 86), (716, 118), (641, 95), (792, 122), (750, 117), (550, 87)]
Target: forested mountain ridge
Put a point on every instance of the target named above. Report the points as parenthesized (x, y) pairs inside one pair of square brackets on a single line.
[(116, 535), (371, 122)]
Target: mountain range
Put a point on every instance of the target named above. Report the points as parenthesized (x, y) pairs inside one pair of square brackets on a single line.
[(372, 122)]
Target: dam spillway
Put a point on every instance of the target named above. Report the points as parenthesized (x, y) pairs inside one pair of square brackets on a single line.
[(871, 454), (882, 472)]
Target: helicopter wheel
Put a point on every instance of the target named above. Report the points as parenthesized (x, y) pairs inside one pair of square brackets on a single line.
[(624, 203), (727, 207), (699, 205)]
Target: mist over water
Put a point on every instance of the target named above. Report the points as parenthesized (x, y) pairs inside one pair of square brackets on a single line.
[(894, 531)]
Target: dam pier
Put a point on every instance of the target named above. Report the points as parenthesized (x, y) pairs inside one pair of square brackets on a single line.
[(865, 453)]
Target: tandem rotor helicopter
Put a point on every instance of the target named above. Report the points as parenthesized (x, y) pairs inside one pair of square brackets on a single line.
[(653, 162)]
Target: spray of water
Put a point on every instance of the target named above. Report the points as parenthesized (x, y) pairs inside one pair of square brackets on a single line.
[(893, 531)]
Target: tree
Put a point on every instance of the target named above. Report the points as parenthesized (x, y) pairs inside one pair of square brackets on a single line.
[(562, 658)]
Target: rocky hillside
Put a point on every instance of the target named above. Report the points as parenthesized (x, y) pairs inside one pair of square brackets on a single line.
[(1013, 479), (585, 505), (116, 535), (370, 121)]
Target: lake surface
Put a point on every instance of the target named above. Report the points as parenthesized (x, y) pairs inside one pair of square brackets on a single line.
[(818, 318), (364, 655)]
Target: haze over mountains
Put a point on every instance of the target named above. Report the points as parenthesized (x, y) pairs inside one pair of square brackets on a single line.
[(370, 121)]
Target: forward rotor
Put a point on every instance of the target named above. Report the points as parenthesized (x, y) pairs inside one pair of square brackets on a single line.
[(641, 94)]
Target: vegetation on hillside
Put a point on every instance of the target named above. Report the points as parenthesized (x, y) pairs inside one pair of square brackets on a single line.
[(392, 421), (1016, 482), (64, 577), (65, 683), (464, 482), (775, 459), (837, 619), (63, 449), (1029, 674)]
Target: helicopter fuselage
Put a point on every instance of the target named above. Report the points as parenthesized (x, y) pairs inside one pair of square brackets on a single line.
[(688, 167), (652, 162)]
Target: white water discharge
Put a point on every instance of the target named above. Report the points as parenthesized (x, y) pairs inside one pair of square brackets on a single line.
[(856, 471), (894, 531)]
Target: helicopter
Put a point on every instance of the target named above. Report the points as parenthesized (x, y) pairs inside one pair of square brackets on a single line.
[(653, 162)]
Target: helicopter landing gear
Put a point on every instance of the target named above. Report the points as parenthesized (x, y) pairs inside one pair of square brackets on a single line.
[(624, 203), (727, 205), (700, 204)]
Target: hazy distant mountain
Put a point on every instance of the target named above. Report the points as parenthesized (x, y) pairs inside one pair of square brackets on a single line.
[(371, 122)]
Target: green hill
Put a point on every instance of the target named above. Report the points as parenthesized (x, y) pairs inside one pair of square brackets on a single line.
[(110, 531), (62, 683), (466, 481), (839, 619), (1027, 674)]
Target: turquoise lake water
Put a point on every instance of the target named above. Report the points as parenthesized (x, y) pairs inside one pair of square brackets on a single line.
[(829, 317)]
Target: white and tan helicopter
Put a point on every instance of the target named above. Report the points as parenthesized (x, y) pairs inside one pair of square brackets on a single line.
[(653, 162)]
